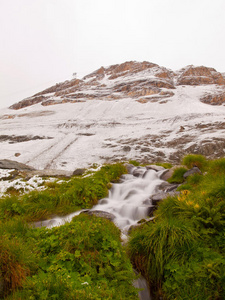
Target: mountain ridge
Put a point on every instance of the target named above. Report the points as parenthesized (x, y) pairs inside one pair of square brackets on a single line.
[(154, 79), (126, 111)]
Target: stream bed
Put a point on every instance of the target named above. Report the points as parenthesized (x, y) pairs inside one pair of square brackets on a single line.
[(128, 202)]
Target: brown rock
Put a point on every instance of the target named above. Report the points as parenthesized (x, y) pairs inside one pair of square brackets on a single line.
[(200, 75), (216, 99), (27, 102)]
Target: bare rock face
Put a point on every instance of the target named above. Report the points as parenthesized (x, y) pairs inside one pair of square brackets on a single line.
[(28, 102), (122, 83), (200, 75), (214, 99), (142, 81)]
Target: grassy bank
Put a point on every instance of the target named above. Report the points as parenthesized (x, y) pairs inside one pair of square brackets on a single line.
[(83, 259), (182, 252), (80, 260), (61, 198)]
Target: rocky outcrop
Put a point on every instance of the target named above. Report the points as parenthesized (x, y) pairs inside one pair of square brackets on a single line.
[(214, 99), (12, 139), (143, 81), (200, 75), (28, 102)]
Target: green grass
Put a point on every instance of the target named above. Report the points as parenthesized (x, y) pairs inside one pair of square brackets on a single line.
[(192, 160), (177, 176), (182, 252), (83, 259), (69, 196)]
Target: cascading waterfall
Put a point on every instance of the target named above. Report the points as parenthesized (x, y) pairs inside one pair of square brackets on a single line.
[(127, 203)]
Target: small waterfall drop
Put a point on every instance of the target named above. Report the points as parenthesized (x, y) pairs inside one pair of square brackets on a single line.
[(129, 201)]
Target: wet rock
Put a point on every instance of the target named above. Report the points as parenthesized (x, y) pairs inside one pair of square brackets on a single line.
[(11, 164), (139, 172), (129, 168), (99, 213), (192, 171), (155, 168), (161, 196), (78, 172), (151, 210), (167, 187)]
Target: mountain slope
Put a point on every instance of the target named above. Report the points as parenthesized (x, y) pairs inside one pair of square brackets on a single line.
[(130, 111)]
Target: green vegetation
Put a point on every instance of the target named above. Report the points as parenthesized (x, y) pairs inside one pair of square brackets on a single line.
[(134, 162), (197, 160), (69, 196), (182, 252), (177, 176), (83, 259)]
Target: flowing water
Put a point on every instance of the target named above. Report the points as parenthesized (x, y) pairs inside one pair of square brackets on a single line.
[(127, 203)]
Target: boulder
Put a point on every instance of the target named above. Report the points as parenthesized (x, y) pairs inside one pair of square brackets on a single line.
[(192, 171), (11, 164), (160, 196), (78, 172), (155, 168)]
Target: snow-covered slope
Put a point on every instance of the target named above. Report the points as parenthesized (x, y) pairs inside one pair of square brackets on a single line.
[(131, 111)]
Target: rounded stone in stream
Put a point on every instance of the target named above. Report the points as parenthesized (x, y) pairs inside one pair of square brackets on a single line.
[(103, 201), (167, 187), (155, 168), (139, 172), (99, 213)]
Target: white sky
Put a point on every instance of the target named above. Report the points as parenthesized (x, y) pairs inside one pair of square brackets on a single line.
[(44, 41)]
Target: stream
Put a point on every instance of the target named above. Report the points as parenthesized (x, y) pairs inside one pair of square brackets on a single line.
[(128, 202)]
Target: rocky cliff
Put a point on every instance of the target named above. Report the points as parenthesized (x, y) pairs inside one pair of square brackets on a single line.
[(143, 81), (134, 110)]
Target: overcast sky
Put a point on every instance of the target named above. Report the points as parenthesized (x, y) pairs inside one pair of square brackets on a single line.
[(44, 41)]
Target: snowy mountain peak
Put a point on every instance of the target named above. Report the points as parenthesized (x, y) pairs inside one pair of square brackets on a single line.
[(140, 80), (134, 110)]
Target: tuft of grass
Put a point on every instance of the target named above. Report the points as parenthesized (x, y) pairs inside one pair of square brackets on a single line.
[(177, 176), (16, 263), (134, 162), (192, 160), (217, 166)]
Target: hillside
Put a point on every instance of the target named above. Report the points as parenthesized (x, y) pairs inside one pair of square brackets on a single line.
[(132, 110)]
